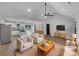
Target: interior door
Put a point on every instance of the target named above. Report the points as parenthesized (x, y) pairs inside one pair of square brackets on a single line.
[(48, 29)]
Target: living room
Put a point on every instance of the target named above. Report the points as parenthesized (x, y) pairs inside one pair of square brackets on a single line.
[(39, 29)]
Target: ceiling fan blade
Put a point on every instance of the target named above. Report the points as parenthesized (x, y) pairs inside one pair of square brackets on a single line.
[(50, 15)]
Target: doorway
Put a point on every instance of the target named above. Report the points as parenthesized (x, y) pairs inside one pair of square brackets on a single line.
[(48, 29)]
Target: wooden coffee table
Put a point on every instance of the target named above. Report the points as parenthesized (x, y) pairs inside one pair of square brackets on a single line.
[(44, 50)]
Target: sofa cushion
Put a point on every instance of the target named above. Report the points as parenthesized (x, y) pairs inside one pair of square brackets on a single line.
[(73, 43), (24, 38), (68, 42), (35, 34), (27, 44)]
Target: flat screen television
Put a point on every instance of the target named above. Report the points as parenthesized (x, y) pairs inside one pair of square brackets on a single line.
[(60, 27)]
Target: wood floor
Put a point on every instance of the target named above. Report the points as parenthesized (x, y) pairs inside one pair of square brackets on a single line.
[(58, 51), (10, 49)]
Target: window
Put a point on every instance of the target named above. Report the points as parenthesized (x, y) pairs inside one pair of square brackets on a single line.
[(28, 27)]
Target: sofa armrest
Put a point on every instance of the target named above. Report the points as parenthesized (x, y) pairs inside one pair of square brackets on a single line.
[(30, 39), (19, 44)]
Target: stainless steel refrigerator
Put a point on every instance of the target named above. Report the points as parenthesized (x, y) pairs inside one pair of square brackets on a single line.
[(5, 33)]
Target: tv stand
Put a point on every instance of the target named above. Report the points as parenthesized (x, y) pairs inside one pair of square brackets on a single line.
[(60, 34)]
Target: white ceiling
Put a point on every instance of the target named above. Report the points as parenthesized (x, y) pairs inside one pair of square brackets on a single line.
[(71, 9), (19, 9)]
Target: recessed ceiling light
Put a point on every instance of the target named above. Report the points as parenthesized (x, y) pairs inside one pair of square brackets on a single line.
[(63, 9), (29, 10)]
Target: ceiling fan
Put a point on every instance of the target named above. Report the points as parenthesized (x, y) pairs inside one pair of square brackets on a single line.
[(47, 14)]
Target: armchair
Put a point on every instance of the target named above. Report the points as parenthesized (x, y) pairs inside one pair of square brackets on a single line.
[(24, 43), (37, 38)]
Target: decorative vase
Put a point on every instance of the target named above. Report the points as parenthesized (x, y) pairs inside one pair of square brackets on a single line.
[(49, 41)]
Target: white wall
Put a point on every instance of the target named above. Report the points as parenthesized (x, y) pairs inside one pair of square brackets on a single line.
[(59, 19), (77, 32), (77, 28)]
